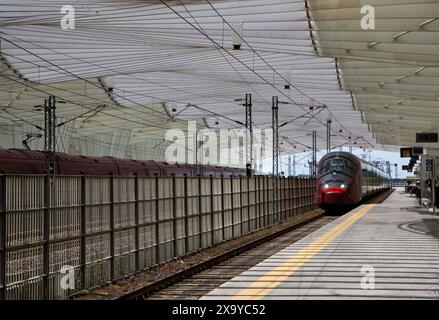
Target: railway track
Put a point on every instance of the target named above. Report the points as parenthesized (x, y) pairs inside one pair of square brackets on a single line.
[(193, 283), (198, 280)]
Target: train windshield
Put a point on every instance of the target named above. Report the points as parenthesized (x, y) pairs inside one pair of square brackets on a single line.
[(336, 165)]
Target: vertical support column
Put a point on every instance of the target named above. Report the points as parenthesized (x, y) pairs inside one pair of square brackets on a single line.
[(328, 135), (289, 166), (2, 238), (249, 133), (275, 181), (294, 164), (48, 156), (157, 221), (112, 262), (50, 134), (46, 235), (83, 256), (137, 222), (50, 149)]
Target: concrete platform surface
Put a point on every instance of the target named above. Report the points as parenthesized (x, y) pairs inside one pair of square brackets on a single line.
[(386, 250)]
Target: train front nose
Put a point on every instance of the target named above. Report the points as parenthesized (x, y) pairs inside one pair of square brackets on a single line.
[(335, 194)]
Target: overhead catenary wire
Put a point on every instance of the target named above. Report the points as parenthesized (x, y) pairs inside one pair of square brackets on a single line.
[(75, 76), (274, 70), (204, 109), (102, 23), (232, 55)]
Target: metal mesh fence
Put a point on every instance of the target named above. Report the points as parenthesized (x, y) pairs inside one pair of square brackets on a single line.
[(92, 230)]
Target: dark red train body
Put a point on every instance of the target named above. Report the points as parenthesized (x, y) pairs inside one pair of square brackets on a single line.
[(344, 179), (15, 161)]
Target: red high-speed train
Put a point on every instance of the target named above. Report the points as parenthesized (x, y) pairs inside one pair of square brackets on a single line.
[(14, 161), (344, 180)]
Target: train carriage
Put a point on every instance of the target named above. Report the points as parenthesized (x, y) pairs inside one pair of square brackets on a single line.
[(15, 161)]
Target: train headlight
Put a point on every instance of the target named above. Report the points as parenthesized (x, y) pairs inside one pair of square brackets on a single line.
[(343, 186), (326, 186)]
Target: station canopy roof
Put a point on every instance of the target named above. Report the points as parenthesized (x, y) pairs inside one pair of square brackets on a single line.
[(132, 70)]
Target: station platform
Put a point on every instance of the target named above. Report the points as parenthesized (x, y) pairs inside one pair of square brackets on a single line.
[(386, 249)]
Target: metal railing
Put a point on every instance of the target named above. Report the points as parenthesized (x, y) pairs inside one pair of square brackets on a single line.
[(100, 229)]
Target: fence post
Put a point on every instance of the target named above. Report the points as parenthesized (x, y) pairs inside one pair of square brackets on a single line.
[(258, 201), (83, 256), (186, 217), (136, 222), (112, 262), (223, 220), (302, 195), (2, 238), (314, 193), (232, 205), (264, 201), (297, 194), (293, 200), (291, 195), (309, 194), (157, 224), (255, 201), (200, 213), (46, 234), (174, 217), (240, 209), (287, 197), (280, 198), (212, 216)]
